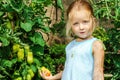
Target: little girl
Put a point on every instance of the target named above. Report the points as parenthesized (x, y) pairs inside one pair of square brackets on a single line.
[(85, 53)]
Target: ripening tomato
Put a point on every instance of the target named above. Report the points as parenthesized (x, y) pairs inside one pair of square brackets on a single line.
[(46, 71)]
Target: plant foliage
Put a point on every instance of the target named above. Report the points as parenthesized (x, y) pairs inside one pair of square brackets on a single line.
[(22, 23)]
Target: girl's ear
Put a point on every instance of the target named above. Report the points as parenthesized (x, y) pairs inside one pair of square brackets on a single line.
[(94, 19), (95, 22)]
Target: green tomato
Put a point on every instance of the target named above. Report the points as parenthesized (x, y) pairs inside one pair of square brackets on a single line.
[(16, 47), (29, 77), (10, 15), (16, 73), (30, 71), (30, 57), (20, 54), (19, 78), (8, 25)]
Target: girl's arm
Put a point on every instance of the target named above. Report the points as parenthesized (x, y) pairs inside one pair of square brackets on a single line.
[(98, 53), (55, 77)]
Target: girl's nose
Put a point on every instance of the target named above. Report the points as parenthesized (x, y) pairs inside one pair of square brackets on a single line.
[(81, 26)]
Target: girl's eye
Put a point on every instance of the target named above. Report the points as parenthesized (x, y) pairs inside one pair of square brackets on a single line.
[(85, 22)]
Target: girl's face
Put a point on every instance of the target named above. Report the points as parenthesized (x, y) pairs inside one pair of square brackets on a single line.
[(82, 24)]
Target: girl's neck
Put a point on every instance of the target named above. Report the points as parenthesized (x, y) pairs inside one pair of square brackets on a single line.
[(83, 39)]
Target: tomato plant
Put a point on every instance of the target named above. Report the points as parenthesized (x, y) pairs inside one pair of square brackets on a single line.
[(22, 23), (107, 12)]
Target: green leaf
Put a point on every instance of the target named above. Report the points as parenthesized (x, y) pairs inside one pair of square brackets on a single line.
[(34, 68), (14, 61), (37, 61), (24, 72), (46, 29), (1, 68), (1, 76), (37, 39), (16, 5), (59, 4), (38, 50), (1, 13), (27, 26), (7, 63), (5, 42)]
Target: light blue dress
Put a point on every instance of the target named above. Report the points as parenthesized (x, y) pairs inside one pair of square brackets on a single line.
[(79, 60)]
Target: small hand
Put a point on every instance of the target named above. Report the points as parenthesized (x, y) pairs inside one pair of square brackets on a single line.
[(44, 76)]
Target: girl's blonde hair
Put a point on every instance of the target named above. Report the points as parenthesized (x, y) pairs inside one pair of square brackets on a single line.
[(76, 6)]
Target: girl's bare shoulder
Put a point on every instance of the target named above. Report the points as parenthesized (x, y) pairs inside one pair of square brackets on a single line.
[(98, 46)]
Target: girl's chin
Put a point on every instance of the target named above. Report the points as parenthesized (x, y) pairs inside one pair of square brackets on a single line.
[(84, 37)]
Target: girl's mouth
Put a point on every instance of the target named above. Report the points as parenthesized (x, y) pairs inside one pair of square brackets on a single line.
[(82, 32)]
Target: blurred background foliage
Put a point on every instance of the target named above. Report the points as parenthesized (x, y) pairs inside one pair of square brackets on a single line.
[(28, 41)]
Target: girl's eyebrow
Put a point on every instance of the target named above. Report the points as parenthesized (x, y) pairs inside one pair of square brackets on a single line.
[(75, 22)]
